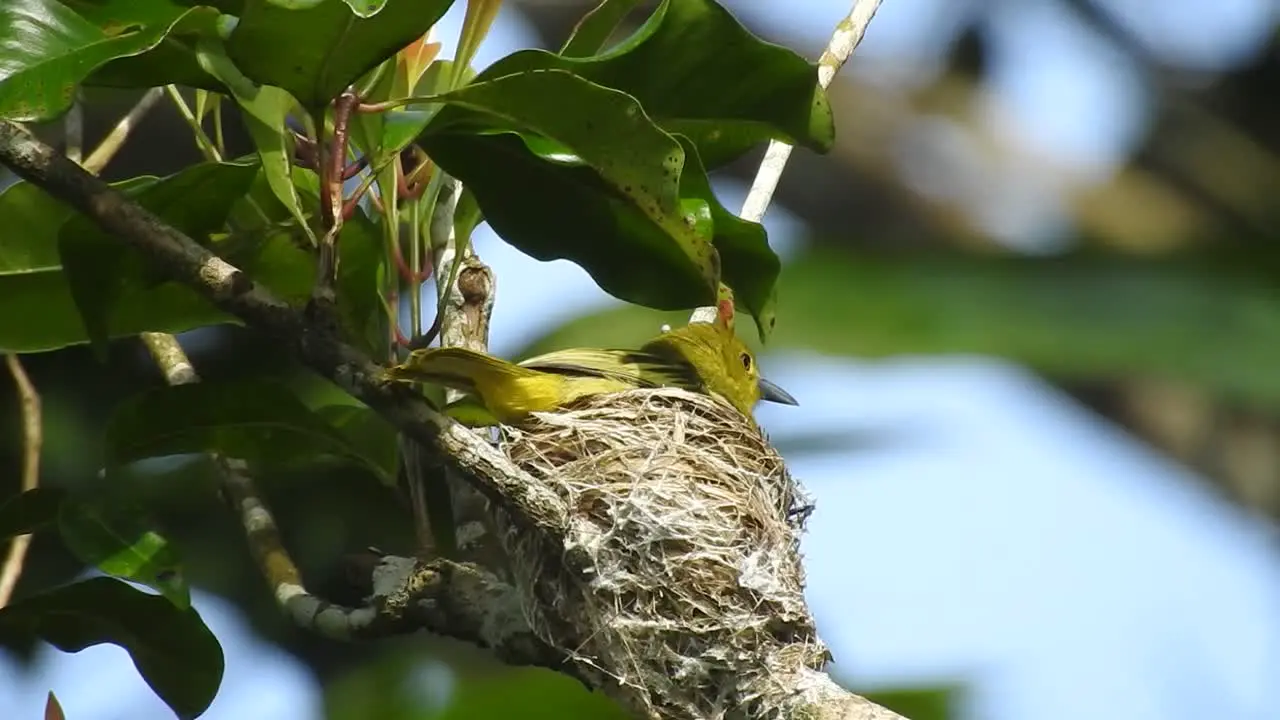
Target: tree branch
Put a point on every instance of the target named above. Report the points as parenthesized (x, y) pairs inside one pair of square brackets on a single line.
[(32, 441), (457, 600)]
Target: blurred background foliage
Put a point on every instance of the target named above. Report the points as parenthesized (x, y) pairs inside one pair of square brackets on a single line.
[(1142, 283)]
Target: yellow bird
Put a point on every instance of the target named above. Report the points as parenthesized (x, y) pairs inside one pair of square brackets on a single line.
[(701, 357)]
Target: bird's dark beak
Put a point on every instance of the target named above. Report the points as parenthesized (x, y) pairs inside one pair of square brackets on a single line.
[(773, 393)]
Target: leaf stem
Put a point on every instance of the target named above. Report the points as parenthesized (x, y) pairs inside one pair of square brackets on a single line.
[(207, 148)]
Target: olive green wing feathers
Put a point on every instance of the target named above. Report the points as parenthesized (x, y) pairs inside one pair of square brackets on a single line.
[(633, 367)]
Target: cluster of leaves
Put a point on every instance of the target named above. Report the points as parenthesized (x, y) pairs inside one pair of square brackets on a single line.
[(599, 156), (170, 645)]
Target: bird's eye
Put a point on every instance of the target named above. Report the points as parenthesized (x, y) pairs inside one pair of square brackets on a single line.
[(746, 361)]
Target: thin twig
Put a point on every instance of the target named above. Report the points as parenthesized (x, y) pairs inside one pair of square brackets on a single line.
[(332, 160), (32, 441), (843, 42), (207, 147), (115, 139)]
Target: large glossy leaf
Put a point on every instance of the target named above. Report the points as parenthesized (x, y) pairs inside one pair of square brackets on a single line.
[(747, 264), (315, 51), (116, 536), (698, 72), (1215, 324), (594, 29), (172, 60), (171, 647), (554, 211), (101, 269), (608, 198), (256, 420), (47, 49)]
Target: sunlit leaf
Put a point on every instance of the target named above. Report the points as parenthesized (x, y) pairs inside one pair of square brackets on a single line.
[(315, 52), (47, 49), (718, 84), (118, 538)]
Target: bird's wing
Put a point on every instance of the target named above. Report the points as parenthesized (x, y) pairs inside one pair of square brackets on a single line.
[(634, 367)]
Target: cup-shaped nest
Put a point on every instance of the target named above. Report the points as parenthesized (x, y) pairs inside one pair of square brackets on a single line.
[(677, 578)]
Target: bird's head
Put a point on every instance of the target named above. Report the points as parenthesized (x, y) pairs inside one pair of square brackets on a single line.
[(725, 365)]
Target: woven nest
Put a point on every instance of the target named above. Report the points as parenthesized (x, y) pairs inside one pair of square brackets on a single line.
[(679, 579)]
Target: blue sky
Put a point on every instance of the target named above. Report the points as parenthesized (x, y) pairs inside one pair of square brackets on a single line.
[(1002, 536)]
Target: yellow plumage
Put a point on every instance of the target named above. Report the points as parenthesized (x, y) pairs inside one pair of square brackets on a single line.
[(702, 357)]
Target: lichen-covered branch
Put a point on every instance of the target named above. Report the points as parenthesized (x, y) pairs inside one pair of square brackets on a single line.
[(457, 600)]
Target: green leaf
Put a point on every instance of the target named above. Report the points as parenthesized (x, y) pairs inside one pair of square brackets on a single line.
[(615, 206), (264, 110), (47, 49), (172, 60), (171, 647), (316, 51), (37, 311), (258, 421), (550, 212), (724, 88), (594, 29), (748, 265), (118, 538), (1213, 322), (101, 269), (360, 264), (29, 511)]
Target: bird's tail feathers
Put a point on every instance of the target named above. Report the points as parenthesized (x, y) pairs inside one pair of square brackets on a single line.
[(457, 368)]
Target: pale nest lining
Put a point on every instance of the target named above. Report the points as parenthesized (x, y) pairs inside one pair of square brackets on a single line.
[(680, 576)]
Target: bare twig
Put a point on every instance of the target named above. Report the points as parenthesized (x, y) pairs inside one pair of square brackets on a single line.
[(115, 139), (843, 42), (32, 440)]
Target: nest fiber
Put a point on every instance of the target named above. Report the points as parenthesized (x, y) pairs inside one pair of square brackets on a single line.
[(677, 578)]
